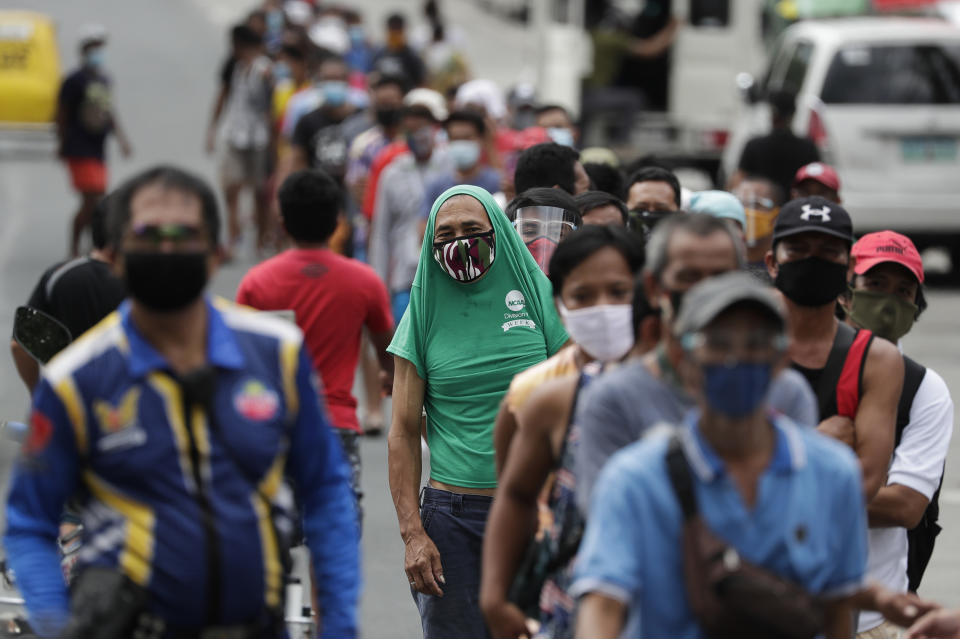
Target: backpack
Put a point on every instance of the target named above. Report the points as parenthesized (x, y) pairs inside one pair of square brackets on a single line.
[(839, 387), (920, 539)]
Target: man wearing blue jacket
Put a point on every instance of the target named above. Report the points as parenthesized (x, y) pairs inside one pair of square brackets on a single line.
[(173, 426)]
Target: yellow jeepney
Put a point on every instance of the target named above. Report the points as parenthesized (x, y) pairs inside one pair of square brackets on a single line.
[(29, 69)]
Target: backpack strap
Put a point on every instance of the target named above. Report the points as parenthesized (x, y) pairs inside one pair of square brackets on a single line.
[(678, 468), (826, 384), (913, 374), (851, 375)]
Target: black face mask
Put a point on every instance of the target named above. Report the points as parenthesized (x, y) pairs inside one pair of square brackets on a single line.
[(165, 282), (389, 116), (812, 281)]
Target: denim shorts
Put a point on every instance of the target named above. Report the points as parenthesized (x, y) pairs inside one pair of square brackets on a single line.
[(455, 523)]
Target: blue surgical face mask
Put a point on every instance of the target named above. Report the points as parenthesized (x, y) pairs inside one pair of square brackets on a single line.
[(334, 93), (275, 21), (357, 36), (561, 135), (95, 58), (465, 153), (736, 390), (281, 71)]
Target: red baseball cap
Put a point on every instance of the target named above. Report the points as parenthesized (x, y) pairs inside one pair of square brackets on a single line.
[(819, 172), (886, 246)]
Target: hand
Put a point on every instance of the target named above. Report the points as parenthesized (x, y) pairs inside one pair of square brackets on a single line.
[(902, 608), (940, 624), (422, 564), (506, 621), (386, 383), (840, 428)]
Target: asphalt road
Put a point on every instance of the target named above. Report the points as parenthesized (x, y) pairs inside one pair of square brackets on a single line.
[(164, 58)]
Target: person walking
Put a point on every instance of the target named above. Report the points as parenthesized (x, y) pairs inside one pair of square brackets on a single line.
[(476, 287), (85, 117), (181, 422), (334, 298)]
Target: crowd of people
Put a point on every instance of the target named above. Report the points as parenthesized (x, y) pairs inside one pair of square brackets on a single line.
[(649, 412)]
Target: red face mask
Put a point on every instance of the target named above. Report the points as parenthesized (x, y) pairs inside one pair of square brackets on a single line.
[(542, 249)]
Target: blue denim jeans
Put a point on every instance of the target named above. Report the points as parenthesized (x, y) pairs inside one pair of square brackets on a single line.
[(455, 523)]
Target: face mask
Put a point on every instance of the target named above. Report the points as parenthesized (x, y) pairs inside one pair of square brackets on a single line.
[(95, 58), (465, 153), (281, 71), (356, 35), (886, 315), (388, 117), (561, 135), (334, 93), (275, 21), (738, 390), (421, 142), (165, 282), (811, 281), (760, 224), (466, 258), (542, 249), (396, 40), (605, 331)]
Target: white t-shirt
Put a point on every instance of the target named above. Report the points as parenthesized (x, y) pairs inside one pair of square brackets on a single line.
[(917, 464)]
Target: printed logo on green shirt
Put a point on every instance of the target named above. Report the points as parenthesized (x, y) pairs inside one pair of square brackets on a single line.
[(516, 303)]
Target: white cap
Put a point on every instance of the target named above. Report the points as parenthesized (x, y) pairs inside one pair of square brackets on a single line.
[(330, 34), (431, 100), (91, 32), (485, 93)]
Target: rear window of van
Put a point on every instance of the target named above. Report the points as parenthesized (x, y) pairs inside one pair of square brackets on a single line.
[(894, 74)]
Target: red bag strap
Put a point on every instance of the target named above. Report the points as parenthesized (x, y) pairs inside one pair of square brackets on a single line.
[(848, 386)]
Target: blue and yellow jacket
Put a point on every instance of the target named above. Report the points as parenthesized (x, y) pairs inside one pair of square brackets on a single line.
[(183, 501)]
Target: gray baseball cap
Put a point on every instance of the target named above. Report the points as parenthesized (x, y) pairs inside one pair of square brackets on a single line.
[(709, 298)]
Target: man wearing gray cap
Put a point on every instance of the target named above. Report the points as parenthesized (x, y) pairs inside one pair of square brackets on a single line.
[(774, 492)]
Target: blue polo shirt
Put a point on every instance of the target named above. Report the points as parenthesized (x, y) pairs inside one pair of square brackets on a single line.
[(113, 426), (808, 524)]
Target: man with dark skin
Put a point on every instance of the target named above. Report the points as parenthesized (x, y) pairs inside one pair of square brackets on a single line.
[(808, 263)]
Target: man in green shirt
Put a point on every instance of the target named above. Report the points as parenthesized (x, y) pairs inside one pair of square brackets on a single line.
[(480, 311)]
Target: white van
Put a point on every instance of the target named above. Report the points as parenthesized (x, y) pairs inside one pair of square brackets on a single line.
[(881, 98)]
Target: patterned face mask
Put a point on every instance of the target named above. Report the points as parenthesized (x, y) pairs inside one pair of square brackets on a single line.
[(466, 258)]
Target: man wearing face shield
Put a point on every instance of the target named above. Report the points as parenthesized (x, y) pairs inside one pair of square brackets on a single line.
[(775, 491), (761, 199), (544, 217), (621, 406), (886, 297), (181, 422), (480, 311)]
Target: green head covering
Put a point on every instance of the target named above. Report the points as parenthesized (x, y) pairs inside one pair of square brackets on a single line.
[(467, 342)]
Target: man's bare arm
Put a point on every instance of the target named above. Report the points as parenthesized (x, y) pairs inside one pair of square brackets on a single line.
[(897, 505), (422, 560), (601, 617), (838, 619), (876, 419)]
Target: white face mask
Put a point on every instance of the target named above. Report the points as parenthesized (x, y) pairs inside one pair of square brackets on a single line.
[(605, 332)]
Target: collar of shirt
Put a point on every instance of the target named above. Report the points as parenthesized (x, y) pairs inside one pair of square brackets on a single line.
[(222, 348), (789, 453)]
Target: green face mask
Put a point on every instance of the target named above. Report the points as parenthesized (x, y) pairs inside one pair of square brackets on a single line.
[(886, 315)]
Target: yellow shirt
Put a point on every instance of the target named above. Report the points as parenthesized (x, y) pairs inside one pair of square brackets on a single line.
[(560, 365)]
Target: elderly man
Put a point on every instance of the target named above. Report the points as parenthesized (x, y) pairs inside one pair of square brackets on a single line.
[(480, 311)]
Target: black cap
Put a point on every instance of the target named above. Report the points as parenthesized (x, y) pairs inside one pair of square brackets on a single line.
[(813, 214)]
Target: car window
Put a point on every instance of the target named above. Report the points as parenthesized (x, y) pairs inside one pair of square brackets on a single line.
[(894, 74), (797, 68), (709, 13), (778, 62)]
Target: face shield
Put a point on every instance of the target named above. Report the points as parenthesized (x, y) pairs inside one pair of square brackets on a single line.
[(761, 217), (542, 228)]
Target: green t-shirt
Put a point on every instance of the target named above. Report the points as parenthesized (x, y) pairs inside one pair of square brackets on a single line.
[(467, 342)]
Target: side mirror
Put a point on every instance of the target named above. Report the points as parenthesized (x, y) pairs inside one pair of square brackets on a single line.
[(39, 334), (748, 88)]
